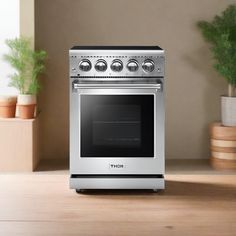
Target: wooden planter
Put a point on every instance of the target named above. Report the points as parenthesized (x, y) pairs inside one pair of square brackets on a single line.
[(223, 147)]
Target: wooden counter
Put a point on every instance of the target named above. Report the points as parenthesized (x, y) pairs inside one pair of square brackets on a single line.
[(18, 144)]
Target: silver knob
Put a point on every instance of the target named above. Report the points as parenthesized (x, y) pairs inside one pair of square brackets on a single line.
[(148, 65), (117, 65), (132, 65), (101, 65), (85, 65)]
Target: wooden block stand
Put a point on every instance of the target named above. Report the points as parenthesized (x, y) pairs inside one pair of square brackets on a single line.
[(223, 147), (18, 144)]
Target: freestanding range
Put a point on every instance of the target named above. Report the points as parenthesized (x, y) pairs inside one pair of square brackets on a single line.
[(116, 117)]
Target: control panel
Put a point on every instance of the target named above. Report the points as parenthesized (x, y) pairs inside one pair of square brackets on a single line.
[(107, 64)]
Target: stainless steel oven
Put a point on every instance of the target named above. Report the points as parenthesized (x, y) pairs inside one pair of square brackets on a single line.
[(116, 122)]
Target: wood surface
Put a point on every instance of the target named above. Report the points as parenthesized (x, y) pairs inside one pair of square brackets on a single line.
[(223, 149), (223, 164), (223, 146), (43, 205), (223, 143), (18, 144), (224, 155), (218, 131)]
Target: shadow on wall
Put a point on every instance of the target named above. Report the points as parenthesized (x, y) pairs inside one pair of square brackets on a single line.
[(212, 90)]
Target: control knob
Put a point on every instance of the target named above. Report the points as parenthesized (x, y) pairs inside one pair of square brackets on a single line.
[(132, 65), (85, 65), (117, 65), (148, 65), (101, 65)]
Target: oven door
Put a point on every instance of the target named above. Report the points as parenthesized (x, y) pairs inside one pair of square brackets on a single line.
[(117, 131)]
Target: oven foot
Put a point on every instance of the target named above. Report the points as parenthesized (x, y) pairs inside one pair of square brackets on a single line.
[(80, 191), (156, 190)]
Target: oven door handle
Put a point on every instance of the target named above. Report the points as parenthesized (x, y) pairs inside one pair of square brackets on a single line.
[(158, 87)]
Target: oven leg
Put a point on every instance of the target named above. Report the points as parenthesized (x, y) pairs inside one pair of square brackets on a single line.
[(79, 191), (155, 190)]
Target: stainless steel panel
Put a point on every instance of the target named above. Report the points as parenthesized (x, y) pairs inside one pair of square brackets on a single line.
[(117, 183), (112, 82), (76, 56)]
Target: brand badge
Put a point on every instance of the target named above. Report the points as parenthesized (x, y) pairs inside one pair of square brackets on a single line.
[(116, 166)]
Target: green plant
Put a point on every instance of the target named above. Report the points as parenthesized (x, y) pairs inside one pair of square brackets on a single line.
[(27, 63), (221, 34)]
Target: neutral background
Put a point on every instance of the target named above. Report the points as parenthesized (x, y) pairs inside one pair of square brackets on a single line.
[(9, 28), (192, 86)]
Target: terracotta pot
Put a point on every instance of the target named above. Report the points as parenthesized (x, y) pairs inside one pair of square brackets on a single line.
[(7, 106), (26, 104), (26, 111)]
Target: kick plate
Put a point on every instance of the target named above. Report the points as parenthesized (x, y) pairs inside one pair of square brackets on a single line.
[(124, 182)]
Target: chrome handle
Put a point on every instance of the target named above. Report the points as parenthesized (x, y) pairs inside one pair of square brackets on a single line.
[(158, 87)]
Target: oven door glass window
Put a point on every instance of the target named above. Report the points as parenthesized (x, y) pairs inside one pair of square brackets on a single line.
[(117, 125)]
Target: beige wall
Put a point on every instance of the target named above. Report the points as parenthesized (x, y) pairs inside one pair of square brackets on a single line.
[(192, 86), (27, 19)]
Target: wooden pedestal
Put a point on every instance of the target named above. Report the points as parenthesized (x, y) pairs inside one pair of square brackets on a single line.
[(223, 147), (18, 144)]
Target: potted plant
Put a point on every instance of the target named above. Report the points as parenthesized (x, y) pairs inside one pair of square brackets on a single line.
[(7, 106), (221, 34), (28, 64)]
